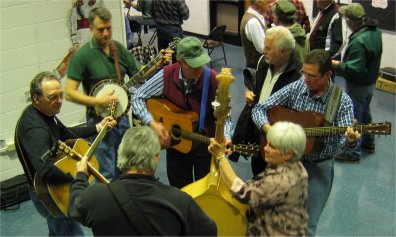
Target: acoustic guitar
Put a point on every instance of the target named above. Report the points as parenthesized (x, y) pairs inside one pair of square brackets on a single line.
[(181, 124), (210, 192), (56, 196), (313, 122)]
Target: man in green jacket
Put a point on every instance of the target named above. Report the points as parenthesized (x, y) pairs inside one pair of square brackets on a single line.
[(360, 68), (284, 13)]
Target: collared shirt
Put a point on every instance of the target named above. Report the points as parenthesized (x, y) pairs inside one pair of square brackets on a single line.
[(297, 97), (254, 30), (154, 88), (90, 64)]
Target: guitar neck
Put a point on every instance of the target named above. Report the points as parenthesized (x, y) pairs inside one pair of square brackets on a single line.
[(95, 144), (327, 131), (191, 136)]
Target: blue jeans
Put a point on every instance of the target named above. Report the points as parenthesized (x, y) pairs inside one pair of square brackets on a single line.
[(320, 181), (57, 226), (107, 151), (361, 98)]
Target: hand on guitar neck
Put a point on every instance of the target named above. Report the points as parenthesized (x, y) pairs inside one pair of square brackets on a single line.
[(108, 121), (352, 134)]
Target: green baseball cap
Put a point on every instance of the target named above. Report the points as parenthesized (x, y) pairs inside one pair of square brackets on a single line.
[(353, 11), (285, 10), (191, 51)]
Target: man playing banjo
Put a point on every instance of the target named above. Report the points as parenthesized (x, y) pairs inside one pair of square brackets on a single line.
[(99, 59)]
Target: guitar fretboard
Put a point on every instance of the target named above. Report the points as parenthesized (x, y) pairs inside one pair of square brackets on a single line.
[(326, 131), (95, 144), (191, 136)]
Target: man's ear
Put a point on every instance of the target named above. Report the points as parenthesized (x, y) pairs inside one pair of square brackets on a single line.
[(329, 74), (35, 99)]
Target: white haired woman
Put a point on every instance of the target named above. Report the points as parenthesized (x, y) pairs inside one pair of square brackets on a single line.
[(276, 197)]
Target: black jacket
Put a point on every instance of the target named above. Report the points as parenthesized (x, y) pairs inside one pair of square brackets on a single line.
[(36, 134), (167, 209), (245, 130)]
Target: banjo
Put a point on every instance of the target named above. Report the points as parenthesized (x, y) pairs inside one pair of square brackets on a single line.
[(122, 91)]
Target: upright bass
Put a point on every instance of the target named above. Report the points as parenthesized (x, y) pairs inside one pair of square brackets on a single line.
[(210, 192)]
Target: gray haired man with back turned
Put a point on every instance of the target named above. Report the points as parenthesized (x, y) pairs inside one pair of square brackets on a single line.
[(156, 208)]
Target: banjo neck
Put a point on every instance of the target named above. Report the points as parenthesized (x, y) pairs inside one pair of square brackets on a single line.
[(138, 77)]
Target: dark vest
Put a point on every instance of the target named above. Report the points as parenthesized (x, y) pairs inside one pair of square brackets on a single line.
[(251, 54), (174, 91), (318, 40)]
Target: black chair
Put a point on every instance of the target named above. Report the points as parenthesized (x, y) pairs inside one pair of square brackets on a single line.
[(214, 40), (136, 27)]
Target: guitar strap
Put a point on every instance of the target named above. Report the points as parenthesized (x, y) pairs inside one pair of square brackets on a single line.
[(204, 98), (131, 211), (333, 106), (117, 64)]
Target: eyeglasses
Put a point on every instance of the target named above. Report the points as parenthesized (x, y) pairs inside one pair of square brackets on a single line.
[(309, 77), (55, 97)]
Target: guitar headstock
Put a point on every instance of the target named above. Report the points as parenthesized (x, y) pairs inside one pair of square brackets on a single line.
[(173, 44), (381, 128), (65, 149), (246, 150), (222, 102)]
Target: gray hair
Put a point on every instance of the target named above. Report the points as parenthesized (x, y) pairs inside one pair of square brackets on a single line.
[(36, 83), (283, 38), (286, 137), (101, 12), (139, 148)]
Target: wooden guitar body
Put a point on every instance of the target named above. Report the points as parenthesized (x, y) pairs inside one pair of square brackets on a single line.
[(313, 122), (56, 196), (306, 119), (173, 117)]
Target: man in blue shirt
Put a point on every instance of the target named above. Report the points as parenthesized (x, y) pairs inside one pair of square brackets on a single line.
[(312, 93)]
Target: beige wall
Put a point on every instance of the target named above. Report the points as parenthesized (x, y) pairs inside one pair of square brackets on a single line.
[(35, 37)]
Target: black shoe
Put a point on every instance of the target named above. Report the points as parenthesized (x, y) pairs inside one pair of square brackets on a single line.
[(369, 148), (342, 157)]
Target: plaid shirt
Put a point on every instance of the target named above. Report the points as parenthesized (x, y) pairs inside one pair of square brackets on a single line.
[(301, 15), (296, 96), (169, 12)]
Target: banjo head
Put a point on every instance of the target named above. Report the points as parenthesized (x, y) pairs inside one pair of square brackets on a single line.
[(106, 86)]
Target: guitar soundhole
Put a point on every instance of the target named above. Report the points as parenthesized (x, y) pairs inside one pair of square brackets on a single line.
[(176, 132)]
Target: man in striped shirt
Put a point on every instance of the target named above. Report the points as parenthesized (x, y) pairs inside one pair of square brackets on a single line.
[(183, 84), (312, 93)]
